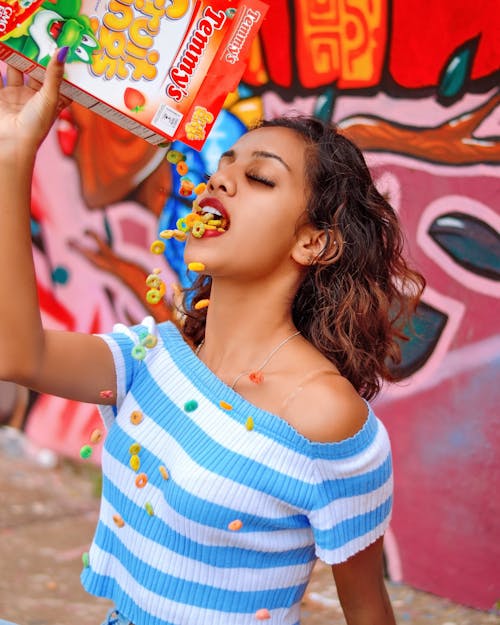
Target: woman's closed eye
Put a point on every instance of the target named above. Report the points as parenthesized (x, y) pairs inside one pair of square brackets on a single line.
[(260, 179), (253, 177)]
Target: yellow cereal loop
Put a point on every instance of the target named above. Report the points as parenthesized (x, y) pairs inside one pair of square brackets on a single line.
[(136, 417), (195, 266), (96, 436), (164, 472), (135, 463), (202, 303), (157, 247)]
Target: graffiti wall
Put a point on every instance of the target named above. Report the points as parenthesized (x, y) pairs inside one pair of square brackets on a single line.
[(415, 84)]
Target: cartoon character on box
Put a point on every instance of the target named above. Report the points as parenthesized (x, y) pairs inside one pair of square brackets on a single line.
[(54, 25)]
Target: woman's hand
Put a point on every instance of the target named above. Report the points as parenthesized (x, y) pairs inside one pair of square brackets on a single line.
[(28, 110)]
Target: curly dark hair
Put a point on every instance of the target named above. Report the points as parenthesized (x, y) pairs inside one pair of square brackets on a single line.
[(358, 295)]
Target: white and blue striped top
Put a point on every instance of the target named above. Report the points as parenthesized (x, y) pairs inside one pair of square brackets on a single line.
[(175, 561)]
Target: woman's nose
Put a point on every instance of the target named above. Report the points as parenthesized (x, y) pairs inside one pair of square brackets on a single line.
[(222, 181)]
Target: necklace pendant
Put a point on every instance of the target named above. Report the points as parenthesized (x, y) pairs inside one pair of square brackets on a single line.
[(257, 377)]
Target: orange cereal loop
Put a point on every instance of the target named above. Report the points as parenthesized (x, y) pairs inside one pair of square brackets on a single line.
[(96, 436), (200, 188), (182, 168), (191, 218), (119, 522), (235, 525), (263, 614), (257, 377), (141, 480), (136, 417)]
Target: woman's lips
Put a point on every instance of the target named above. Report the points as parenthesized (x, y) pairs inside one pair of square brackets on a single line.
[(212, 233), (206, 204), (214, 203)]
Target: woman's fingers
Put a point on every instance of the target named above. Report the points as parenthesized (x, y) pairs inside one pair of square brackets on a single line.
[(53, 77), (15, 78), (36, 85)]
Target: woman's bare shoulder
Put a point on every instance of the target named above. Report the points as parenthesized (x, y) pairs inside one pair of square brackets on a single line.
[(326, 408)]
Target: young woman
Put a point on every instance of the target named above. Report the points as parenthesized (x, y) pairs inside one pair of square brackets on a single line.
[(242, 447)]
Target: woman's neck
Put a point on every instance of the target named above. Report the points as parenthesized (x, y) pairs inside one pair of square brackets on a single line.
[(243, 324)]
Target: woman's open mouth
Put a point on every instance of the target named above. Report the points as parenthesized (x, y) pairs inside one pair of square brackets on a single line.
[(207, 219)]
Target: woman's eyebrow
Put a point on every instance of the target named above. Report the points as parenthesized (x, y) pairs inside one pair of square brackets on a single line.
[(264, 154), (259, 154)]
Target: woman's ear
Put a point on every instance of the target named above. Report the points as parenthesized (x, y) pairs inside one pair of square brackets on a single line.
[(310, 244)]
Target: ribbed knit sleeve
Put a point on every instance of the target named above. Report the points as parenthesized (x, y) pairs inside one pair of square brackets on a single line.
[(121, 342), (352, 500)]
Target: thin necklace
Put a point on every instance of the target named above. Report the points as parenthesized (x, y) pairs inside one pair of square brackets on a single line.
[(255, 375)]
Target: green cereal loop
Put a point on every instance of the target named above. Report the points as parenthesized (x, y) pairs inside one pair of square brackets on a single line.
[(181, 224), (138, 352), (86, 452), (191, 405)]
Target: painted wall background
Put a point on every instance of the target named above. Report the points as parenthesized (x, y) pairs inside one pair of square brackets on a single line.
[(416, 84)]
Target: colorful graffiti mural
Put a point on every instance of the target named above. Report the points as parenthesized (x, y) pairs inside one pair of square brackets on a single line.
[(416, 86)]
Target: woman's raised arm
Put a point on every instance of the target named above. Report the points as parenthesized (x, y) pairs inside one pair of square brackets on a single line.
[(77, 366)]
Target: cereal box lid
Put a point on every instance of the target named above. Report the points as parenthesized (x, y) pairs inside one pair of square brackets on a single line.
[(14, 13)]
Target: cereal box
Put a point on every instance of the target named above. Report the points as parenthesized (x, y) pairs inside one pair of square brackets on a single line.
[(160, 68)]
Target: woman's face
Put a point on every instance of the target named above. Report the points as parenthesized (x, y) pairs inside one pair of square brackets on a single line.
[(260, 188)]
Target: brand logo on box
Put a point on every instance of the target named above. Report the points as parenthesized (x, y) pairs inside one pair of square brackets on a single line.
[(6, 13), (182, 72), (13, 14), (235, 46)]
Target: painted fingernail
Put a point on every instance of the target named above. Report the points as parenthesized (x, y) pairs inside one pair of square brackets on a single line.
[(62, 54)]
